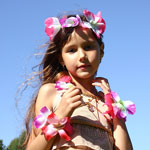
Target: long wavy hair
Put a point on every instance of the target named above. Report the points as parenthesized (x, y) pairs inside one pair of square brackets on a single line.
[(50, 69)]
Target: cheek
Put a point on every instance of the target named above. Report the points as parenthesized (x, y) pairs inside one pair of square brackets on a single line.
[(95, 57), (69, 62)]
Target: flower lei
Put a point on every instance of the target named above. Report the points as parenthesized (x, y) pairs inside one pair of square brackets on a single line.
[(50, 125), (116, 107), (64, 83), (94, 22)]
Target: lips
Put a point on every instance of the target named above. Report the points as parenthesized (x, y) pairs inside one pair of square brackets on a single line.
[(84, 66)]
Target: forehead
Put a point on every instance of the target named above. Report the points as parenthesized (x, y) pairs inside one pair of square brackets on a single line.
[(81, 35)]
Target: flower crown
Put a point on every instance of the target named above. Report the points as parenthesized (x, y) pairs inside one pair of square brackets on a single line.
[(94, 22)]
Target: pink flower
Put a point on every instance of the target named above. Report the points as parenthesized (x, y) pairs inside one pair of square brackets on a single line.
[(70, 22), (95, 22), (40, 120), (117, 107), (66, 79), (64, 83), (52, 27), (49, 123)]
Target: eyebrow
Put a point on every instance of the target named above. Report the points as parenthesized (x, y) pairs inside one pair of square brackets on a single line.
[(86, 41)]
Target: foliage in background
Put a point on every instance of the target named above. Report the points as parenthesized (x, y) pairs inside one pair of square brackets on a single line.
[(2, 146), (16, 143)]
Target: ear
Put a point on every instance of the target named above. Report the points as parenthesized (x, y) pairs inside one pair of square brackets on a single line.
[(101, 51)]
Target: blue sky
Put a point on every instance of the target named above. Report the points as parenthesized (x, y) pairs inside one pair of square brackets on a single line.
[(126, 61)]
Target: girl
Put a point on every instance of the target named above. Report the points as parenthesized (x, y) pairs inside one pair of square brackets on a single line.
[(68, 111)]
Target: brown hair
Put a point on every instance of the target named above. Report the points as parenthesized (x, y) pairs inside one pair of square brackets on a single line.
[(50, 69)]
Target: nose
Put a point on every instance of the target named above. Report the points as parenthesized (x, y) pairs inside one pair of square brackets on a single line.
[(82, 54)]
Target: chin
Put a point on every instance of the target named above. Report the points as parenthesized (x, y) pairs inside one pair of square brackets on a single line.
[(85, 76)]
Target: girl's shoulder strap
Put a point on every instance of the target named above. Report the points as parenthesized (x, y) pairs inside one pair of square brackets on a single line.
[(46, 95)]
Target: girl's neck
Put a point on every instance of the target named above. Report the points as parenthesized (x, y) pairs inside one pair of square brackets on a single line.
[(85, 85)]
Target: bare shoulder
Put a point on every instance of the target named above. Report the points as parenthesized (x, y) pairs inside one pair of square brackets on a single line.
[(47, 89), (45, 96)]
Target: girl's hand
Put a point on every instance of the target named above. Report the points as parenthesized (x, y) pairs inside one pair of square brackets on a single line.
[(102, 83), (70, 100)]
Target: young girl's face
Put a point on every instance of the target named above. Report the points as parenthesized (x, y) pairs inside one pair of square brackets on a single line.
[(81, 54)]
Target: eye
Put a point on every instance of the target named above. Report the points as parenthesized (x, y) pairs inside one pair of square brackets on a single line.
[(72, 50), (88, 47)]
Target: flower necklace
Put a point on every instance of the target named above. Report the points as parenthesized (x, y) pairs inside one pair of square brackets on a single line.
[(64, 83), (50, 125), (115, 106)]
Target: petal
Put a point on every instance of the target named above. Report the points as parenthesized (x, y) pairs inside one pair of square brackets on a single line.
[(71, 22), (65, 79), (45, 111), (89, 15), (52, 27), (63, 121), (122, 114), (109, 110), (101, 26), (99, 14), (116, 110), (39, 121), (62, 20), (131, 109), (119, 113), (48, 22), (115, 96), (108, 98), (70, 85), (58, 86), (120, 106), (98, 18), (52, 119), (64, 135), (61, 85), (130, 106), (50, 32), (49, 131), (68, 128), (97, 32), (86, 25)]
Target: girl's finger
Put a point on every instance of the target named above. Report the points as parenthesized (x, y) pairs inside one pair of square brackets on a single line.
[(103, 87), (102, 80), (76, 98), (99, 79), (70, 89), (105, 83), (72, 92)]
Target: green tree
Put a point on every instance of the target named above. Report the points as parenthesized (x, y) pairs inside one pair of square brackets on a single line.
[(2, 146), (17, 142), (13, 145)]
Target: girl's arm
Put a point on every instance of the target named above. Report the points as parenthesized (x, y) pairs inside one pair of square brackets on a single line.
[(45, 98), (120, 133), (40, 143), (69, 101), (121, 136)]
